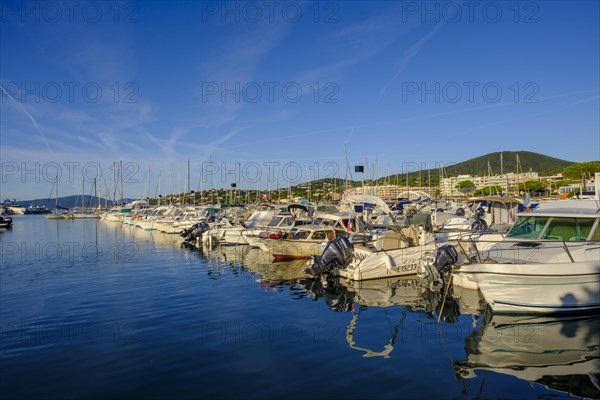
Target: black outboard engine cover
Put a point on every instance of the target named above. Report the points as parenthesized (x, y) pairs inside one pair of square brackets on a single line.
[(445, 258), (200, 229), (479, 225), (480, 212), (337, 254), (460, 212), (195, 232), (188, 231)]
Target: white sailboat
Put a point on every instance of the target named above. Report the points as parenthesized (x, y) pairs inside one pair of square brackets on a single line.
[(57, 213)]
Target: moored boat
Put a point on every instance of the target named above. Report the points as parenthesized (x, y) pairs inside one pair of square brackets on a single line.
[(549, 262), (298, 243)]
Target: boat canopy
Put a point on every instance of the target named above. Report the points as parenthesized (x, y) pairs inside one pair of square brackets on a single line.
[(368, 199)]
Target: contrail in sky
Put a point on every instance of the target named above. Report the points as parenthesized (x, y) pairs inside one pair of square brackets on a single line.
[(22, 107)]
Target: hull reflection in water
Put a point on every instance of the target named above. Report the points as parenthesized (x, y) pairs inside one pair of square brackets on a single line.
[(259, 262), (558, 353), (381, 297)]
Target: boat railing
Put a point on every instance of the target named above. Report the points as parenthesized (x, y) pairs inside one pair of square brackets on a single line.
[(470, 246)]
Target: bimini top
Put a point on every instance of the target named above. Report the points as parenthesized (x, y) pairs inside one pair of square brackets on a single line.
[(364, 198)]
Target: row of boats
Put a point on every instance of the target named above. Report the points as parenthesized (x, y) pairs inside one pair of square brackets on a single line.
[(523, 257)]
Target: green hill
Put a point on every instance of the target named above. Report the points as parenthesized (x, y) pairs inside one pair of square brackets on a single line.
[(479, 166), (544, 165)]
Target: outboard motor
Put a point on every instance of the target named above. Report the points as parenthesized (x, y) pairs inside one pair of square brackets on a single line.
[(445, 258), (460, 212), (337, 254), (479, 213), (186, 232), (479, 225), (198, 230)]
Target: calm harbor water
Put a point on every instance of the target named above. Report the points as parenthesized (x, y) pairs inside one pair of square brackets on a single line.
[(92, 309)]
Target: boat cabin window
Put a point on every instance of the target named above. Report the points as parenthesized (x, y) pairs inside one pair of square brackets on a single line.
[(528, 227), (319, 235), (323, 221), (275, 221), (569, 229), (339, 233), (301, 234), (300, 222)]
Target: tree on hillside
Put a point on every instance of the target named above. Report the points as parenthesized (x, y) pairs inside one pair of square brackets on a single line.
[(581, 170), (533, 186), (465, 186), (489, 191)]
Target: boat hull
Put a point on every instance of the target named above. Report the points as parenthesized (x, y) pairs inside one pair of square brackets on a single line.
[(285, 249), (535, 288), (54, 216), (368, 265)]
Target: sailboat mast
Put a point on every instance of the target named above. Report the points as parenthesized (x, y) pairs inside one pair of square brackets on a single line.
[(96, 192), (188, 178), (121, 179)]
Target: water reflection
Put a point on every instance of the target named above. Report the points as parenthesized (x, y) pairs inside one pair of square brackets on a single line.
[(559, 353), (142, 236), (271, 275), (404, 296)]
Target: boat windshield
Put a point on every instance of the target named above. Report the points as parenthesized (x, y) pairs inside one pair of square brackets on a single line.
[(275, 221), (323, 221), (568, 229), (528, 227)]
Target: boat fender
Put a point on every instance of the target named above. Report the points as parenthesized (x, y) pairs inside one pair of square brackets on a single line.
[(388, 262)]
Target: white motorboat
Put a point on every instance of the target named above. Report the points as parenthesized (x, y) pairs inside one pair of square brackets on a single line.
[(549, 262), (298, 243), (13, 208), (389, 254)]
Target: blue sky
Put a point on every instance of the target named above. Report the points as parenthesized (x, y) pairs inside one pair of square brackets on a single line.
[(284, 87)]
